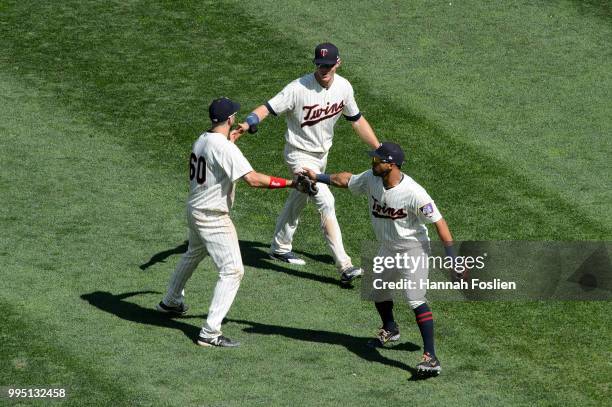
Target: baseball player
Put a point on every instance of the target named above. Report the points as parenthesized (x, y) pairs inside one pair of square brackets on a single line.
[(399, 210), (215, 165), (313, 104)]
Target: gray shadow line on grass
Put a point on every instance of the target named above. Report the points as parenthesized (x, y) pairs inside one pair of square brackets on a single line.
[(354, 344), (115, 304), (255, 254), (163, 255)]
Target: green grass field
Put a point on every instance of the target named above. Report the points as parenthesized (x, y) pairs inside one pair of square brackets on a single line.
[(504, 111)]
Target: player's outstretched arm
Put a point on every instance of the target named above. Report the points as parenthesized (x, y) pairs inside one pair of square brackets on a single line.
[(257, 180), (444, 232), (447, 239), (365, 132), (340, 180), (250, 125)]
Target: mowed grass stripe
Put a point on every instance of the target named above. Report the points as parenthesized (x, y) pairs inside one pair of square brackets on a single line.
[(536, 347), (57, 286), (511, 79), (74, 269), (150, 72), (478, 392), (33, 357), (68, 229), (116, 280)]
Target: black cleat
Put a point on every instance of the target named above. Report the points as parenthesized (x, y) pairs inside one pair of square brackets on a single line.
[(349, 274), (429, 366), (220, 341), (289, 257), (172, 311), (384, 337)]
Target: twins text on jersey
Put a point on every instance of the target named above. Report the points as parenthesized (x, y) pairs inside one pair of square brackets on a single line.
[(315, 113), (384, 211)]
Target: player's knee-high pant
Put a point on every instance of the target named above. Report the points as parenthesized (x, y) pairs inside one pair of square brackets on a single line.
[(184, 269), (413, 270), (223, 297), (287, 223), (213, 233), (325, 204)]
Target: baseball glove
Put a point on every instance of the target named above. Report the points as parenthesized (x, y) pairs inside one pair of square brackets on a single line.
[(305, 185)]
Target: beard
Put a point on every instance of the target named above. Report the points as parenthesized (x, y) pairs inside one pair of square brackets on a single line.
[(380, 172)]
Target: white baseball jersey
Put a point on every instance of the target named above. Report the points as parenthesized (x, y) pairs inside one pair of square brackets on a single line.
[(398, 213), (312, 111), (214, 167)]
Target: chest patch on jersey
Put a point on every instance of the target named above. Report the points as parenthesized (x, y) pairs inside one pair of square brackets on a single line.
[(384, 211), (314, 114), (427, 210)]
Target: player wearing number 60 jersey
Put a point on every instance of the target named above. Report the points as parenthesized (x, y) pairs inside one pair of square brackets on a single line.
[(215, 165)]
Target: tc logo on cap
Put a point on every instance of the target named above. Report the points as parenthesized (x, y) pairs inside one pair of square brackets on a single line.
[(326, 54)]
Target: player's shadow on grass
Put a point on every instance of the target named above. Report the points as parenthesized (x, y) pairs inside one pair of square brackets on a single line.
[(116, 305), (354, 344), (163, 255), (321, 258), (255, 254)]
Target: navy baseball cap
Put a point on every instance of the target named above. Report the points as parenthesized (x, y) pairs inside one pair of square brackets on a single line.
[(222, 108), (389, 153), (326, 54)]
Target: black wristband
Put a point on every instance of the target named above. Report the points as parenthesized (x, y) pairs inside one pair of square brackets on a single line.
[(449, 251), (324, 178)]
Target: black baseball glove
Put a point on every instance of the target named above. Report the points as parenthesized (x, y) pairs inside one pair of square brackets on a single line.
[(304, 184)]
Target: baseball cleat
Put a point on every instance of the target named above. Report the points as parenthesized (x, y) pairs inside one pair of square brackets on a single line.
[(175, 311), (349, 274), (289, 257), (220, 341), (429, 366), (384, 337)]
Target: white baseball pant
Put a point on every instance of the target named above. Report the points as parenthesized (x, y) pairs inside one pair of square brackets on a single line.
[(211, 232), (419, 252), (288, 220)]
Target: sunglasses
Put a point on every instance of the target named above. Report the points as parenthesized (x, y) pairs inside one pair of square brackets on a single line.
[(377, 160), (325, 66)]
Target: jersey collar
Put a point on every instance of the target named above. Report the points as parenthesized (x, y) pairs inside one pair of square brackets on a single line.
[(398, 184)]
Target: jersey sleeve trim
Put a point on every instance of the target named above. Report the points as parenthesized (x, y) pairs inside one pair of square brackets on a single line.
[(436, 218), (353, 118), (270, 109)]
